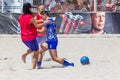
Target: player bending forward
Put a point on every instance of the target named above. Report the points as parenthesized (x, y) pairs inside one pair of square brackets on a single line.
[(51, 42)]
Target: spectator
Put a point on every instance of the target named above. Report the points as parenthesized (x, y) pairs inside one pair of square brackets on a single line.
[(117, 5), (80, 6), (71, 5), (109, 6), (53, 4), (47, 3), (64, 6)]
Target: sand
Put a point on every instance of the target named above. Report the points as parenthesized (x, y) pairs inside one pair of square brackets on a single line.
[(102, 50)]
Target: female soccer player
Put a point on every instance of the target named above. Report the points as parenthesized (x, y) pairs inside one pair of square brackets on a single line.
[(28, 27), (51, 42)]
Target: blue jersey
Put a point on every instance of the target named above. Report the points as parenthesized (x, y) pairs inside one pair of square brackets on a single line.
[(51, 30)]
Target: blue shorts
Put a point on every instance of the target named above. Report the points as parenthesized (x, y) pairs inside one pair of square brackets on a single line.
[(32, 45), (52, 44)]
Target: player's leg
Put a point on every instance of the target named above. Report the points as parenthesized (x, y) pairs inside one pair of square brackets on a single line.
[(53, 52), (25, 54), (28, 44), (40, 40), (35, 58), (42, 49), (35, 49), (54, 56)]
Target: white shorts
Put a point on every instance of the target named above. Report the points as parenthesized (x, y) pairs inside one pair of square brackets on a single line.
[(41, 39)]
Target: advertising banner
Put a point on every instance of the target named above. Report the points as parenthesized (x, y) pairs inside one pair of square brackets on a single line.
[(88, 23), (72, 23)]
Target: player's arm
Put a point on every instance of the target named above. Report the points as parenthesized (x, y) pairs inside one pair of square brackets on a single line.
[(42, 30), (35, 23), (40, 21)]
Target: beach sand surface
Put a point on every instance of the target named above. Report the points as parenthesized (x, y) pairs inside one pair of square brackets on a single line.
[(102, 50)]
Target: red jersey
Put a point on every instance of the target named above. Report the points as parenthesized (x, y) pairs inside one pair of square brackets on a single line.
[(40, 21), (28, 31)]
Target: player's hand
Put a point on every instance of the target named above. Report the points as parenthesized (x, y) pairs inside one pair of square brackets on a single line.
[(47, 21), (41, 20), (33, 21)]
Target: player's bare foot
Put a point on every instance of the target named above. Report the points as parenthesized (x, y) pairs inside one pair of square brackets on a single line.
[(24, 58)]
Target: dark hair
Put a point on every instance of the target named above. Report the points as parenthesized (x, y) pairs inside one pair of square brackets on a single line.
[(45, 12), (26, 8)]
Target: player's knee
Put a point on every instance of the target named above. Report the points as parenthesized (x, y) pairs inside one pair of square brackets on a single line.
[(36, 53), (43, 47), (54, 59)]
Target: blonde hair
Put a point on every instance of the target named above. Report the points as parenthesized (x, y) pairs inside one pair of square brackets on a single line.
[(39, 7)]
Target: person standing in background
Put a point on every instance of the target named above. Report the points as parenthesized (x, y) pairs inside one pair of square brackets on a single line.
[(109, 6)]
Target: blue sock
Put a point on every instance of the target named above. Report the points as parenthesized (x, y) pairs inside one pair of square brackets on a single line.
[(38, 64), (66, 63)]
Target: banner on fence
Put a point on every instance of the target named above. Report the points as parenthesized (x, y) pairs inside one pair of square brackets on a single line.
[(70, 23)]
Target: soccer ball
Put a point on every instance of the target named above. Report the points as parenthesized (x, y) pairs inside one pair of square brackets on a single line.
[(84, 60)]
